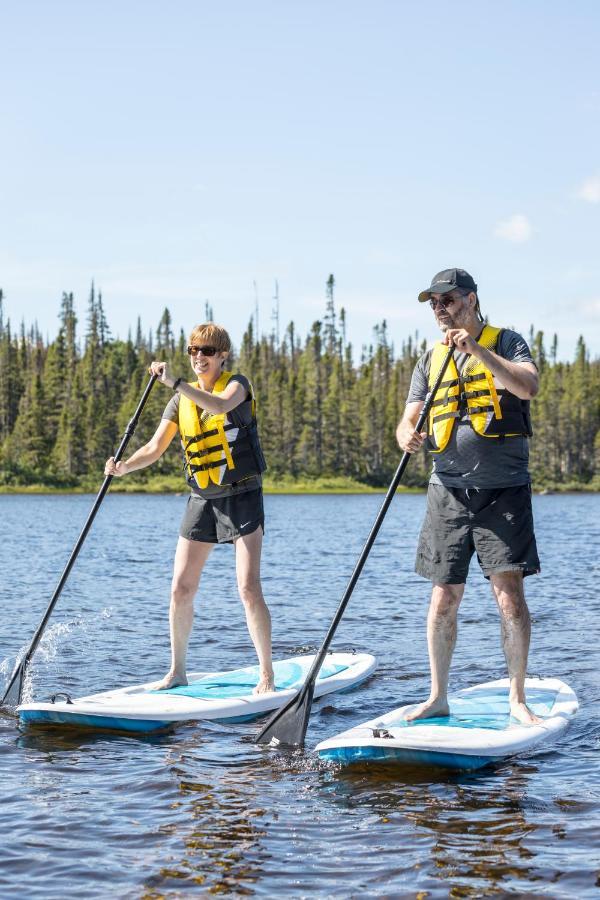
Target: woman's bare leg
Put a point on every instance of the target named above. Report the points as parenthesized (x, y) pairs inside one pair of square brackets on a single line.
[(247, 559), (190, 557)]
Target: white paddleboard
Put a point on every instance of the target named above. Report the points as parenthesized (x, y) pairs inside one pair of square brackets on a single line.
[(218, 696), (478, 731)]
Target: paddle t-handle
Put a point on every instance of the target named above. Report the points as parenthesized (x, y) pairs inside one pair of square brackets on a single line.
[(287, 727), (14, 691)]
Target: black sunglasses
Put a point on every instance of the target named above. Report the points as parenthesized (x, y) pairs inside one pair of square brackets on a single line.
[(443, 303), (194, 349)]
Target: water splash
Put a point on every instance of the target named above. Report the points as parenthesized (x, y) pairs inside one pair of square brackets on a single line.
[(49, 652)]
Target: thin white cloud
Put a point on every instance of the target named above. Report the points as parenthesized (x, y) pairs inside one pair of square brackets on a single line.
[(590, 190), (516, 229), (591, 307)]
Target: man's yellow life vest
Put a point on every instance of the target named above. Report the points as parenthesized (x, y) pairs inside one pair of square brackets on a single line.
[(219, 448), (492, 410)]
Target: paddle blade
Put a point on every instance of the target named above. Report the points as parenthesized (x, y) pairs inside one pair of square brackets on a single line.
[(14, 691), (287, 727)]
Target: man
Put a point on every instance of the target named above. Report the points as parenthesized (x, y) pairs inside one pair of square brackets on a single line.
[(479, 496)]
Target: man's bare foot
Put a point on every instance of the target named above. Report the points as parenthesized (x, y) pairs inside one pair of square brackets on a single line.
[(431, 709), (266, 683), (171, 680), (522, 713)]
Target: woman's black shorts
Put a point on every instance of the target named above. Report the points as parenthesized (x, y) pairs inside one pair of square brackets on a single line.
[(497, 524), (222, 520)]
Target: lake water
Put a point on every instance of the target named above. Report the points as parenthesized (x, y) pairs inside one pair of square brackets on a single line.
[(202, 811)]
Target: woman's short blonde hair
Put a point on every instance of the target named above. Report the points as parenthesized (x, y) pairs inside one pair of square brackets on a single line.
[(212, 335)]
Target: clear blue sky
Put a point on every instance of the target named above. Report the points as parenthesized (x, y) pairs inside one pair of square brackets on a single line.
[(179, 152)]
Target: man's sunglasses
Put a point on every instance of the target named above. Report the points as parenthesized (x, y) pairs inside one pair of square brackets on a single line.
[(443, 303), (194, 349)]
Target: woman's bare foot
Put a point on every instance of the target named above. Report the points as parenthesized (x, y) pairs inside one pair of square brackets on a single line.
[(522, 713), (432, 709), (266, 683), (171, 680)]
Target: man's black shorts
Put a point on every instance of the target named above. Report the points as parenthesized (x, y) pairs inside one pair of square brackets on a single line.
[(496, 524), (223, 519)]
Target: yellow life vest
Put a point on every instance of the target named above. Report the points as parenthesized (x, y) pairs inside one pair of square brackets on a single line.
[(219, 448), (492, 410)]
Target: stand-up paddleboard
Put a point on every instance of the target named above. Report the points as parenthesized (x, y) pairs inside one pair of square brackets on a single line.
[(478, 731), (218, 696)]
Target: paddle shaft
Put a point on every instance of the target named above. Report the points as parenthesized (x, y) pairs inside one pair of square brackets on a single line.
[(20, 670), (308, 686)]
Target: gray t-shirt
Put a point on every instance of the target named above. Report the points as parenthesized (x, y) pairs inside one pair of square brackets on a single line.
[(470, 460), (244, 413)]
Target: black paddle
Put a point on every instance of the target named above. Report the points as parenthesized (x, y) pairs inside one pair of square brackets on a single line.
[(14, 691), (287, 727)]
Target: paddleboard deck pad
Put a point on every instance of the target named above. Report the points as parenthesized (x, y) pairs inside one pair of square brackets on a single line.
[(215, 696), (478, 731)]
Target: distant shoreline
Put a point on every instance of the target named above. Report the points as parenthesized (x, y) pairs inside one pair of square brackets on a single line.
[(323, 485)]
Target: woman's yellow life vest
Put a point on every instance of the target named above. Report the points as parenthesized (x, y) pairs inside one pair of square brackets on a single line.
[(219, 448), (492, 410)]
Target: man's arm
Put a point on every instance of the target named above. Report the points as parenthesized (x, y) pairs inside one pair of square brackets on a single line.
[(520, 378), (409, 439)]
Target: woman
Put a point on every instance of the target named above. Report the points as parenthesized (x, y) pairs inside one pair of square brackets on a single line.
[(216, 420)]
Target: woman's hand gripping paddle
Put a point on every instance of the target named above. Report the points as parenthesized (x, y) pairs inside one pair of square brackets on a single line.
[(14, 691), (287, 727)]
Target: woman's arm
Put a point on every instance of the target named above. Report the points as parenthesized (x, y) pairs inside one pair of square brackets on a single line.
[(232, 396), (147, 454)]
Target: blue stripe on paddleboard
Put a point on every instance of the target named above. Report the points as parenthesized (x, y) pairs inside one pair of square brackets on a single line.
[(241, 682), (416, 757), (49, 717), (483, 709)]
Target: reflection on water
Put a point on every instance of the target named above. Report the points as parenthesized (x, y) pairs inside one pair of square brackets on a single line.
[(201, 810), (477, 839)]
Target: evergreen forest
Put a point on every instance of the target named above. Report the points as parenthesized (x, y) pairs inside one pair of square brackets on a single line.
[(323, 410)]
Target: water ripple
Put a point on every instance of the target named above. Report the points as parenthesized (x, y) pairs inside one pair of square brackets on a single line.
[(203, 810)]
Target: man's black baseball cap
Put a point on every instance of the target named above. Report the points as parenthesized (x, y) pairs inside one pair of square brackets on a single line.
[(446, 281)]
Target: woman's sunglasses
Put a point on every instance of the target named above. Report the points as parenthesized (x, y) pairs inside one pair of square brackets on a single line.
[(193, 350)]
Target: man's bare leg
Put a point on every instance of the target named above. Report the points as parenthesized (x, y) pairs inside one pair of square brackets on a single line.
[(507, 588), (190, 557), (247, 560), (441, 640)]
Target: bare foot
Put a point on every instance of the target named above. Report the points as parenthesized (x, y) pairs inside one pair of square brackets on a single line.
[(266, 684), (432, 709), (171, 680), (522, 713)]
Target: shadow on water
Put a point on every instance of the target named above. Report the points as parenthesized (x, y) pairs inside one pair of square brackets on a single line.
[(56, 740)]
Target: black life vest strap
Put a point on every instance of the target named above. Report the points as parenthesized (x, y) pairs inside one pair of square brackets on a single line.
[(201, 467), (473, 411), (444, 400), (467, 394), (448, 415), (194, 438), (478, 377)]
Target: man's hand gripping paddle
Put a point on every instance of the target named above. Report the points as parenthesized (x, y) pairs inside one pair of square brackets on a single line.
[(287, 727), (14, 692)]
